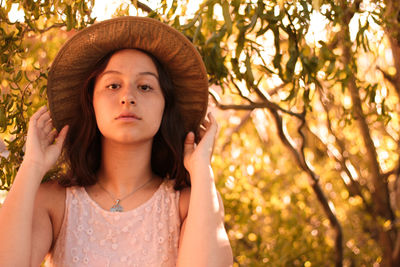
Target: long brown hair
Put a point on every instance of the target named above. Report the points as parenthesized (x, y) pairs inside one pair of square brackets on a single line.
[(82, 148)]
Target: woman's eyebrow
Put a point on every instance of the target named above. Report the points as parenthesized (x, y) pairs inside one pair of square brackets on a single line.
[(108, 72), (118, 72), (148, 73)]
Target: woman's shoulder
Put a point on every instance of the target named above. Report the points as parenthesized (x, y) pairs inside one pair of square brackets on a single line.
[(51, 189), (51, 196)]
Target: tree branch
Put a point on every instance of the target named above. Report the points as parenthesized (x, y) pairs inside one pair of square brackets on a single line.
[(354, 188), (143, 7), (252, 105), (301, 162), (271, 105), (314, 182), (240, 91), (387, 76)]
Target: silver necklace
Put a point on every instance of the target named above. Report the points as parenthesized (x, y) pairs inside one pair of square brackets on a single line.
[(117, 207)]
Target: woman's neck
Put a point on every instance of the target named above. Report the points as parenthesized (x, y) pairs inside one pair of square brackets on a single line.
[(124, 167)]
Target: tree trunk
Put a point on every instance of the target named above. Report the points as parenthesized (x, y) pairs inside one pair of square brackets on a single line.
[(380, 193), (392, 30)]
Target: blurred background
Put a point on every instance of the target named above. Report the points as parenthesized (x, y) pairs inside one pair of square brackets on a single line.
[(306, 94)]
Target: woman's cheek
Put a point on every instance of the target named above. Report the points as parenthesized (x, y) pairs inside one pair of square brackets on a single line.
[(100, 111)]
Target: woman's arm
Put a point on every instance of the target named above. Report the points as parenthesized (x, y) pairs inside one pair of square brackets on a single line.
[(17, 212), (203, 240), (16, 217)]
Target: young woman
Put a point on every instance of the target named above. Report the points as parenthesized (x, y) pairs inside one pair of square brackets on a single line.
[(128, 98)]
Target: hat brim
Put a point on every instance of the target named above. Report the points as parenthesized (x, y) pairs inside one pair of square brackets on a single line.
[(75, 60)]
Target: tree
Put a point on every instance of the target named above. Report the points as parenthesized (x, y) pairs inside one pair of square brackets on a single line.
[(314, 83), (331, 103), (26, 50)]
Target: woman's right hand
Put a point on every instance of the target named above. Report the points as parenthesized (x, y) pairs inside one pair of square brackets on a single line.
[(43, 145)]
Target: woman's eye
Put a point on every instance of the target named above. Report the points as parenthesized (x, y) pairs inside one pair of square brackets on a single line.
[(114, 86), (145, 87)]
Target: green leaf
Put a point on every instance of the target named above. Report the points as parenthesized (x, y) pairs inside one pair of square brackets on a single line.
[(240, 42), (172, 10), (252, 23), (290, 65), (3, 120), (42, 89), (277, 60), (197, 33), (18, 77), (227, 16), (291, 95), (70, 22), (235, 67), (249, 72)]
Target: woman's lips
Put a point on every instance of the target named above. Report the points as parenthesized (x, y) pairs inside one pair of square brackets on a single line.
[(128, 117)]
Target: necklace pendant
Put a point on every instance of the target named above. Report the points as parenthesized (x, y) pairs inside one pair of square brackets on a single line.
[(117, 207)]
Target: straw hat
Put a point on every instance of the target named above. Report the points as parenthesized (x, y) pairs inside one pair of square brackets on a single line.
[(75, 60)]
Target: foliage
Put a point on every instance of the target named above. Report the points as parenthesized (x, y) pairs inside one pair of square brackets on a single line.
[(26, 49), (271, 213), (307, 157)]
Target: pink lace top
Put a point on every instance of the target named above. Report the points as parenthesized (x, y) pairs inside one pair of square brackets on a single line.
[(145, 236)]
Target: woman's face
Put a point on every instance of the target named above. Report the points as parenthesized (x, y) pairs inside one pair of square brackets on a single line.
[(127, 99)]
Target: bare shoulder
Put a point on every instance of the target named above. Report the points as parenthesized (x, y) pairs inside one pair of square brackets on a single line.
[(51, 197), (184, 201), (51, 193), (47, 219)]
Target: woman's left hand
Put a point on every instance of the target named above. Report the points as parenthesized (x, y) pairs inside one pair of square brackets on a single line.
[(199, 155)]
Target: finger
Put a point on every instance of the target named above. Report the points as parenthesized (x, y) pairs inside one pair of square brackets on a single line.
[(37, 114), (189, 138), (51, 137), (48, 127), (206, 122), (211, 118), (205, 125), (188, 147), (202, 127), (61, 136), (202, 132), (213, 121), (41, 122), (209, 134), (209, 124)]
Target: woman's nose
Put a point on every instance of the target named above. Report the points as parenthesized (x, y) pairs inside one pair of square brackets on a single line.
[(128, 98), (127, 101)]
